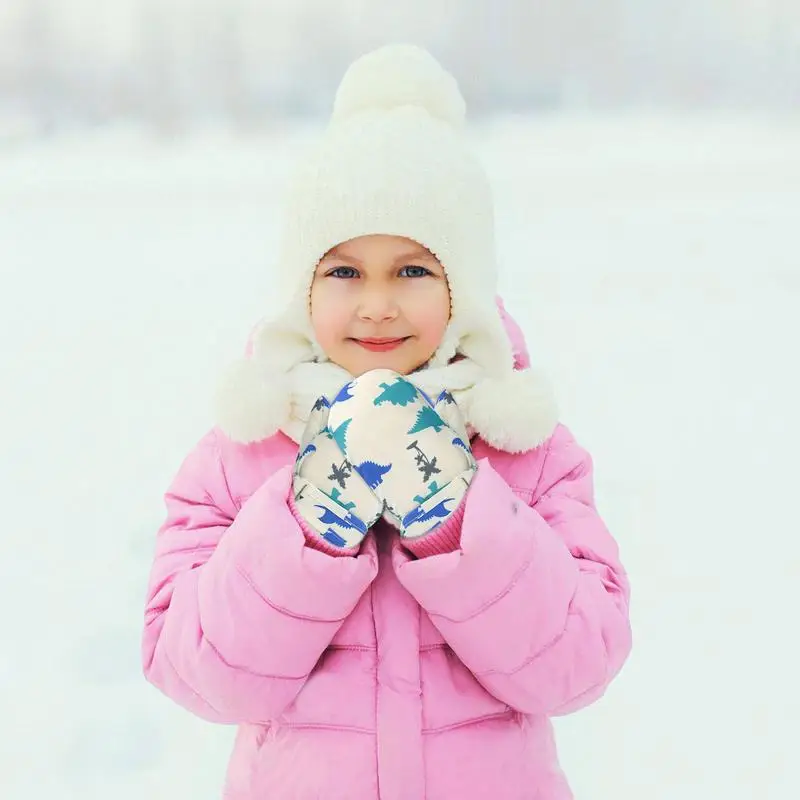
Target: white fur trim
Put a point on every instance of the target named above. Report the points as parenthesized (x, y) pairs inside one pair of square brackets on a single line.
[(251, 404), (483, 339), (278, 347), (514, 413)]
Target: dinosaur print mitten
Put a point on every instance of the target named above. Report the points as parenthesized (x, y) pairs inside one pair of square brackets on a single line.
[(331, 497), (413, 453)]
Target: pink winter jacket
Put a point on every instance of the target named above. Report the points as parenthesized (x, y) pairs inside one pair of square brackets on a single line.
[(385, 674)]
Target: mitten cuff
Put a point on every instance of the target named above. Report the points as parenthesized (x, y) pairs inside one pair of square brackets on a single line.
[(313, 539), (444, 539), (437, 507)]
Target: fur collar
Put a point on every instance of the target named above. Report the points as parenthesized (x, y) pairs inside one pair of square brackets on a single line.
[(513, 412)]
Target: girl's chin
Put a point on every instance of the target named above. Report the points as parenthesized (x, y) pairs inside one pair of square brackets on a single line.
[(379, 361), (366, 360), (402, 367), (382, 364)]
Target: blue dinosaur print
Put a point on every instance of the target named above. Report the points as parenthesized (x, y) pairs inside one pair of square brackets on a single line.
[(460, 443), (399, 393), (445, 397), (371, 472), (425, 395), (344, 393), (321, 402), (310, 448), (349, 520), (340, 435), (331, 536), (418, 515)]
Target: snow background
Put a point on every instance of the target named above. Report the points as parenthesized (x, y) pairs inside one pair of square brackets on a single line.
[(652, 260)]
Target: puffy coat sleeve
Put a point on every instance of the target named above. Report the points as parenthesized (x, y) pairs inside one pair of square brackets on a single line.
[(239, 609), (535, 599)]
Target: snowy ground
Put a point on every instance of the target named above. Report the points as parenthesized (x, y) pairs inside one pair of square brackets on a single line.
[(655, 265)]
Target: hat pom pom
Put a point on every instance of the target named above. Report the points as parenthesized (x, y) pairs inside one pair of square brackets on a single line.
[(399, 75), (249, 407), (514, 413)]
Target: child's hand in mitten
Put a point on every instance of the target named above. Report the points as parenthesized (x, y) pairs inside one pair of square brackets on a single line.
[(414, 454), (330, 496)]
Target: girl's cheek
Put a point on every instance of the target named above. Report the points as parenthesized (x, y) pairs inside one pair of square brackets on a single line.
[(434, 298), (327, 295), (339, 288)]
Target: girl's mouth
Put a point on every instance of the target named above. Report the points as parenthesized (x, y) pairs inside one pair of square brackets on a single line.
[(380, 345)]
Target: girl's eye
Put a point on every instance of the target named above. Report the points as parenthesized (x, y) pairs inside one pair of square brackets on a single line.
[(416, 272), (351, 272)]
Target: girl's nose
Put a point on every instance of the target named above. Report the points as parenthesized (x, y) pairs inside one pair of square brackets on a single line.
[(377, 305)]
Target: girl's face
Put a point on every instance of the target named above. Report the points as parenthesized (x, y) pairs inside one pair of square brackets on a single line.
[(379, 301)]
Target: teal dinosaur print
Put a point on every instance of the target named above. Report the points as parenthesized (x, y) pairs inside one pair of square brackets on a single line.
[(336, 496), (340, 434), (433, 487), (399, 393), (427, 418)]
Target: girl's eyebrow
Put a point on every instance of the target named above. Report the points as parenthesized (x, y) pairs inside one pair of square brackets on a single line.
[(342, 256), (419, 252)]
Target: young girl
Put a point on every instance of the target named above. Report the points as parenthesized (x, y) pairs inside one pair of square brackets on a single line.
[(385, 564)]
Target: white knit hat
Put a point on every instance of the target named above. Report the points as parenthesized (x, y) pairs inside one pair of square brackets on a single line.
[(394, 161)]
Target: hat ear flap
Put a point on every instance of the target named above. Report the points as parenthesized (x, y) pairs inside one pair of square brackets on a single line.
[(480, 337), (511, 409), (487, 344), (279, 346), (447, 347), (254, 396), (251, 404), (515, 412)]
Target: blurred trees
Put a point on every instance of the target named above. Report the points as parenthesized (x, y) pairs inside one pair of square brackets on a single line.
[(172, 63)]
